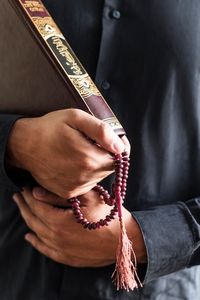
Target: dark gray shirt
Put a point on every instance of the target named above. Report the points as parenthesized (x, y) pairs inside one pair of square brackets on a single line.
[(145, 58)]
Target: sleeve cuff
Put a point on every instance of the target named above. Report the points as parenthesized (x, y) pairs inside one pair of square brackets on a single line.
[(168, 239), (6, 123)]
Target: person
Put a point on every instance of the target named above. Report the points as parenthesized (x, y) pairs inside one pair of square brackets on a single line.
[(145, 59)]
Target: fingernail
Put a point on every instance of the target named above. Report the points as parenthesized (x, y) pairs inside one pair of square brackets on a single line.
[(39, 192), (118, 147), (27, 237), (15, 198)]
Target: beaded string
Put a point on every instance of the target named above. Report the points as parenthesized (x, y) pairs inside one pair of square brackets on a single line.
[(118, 190), (124, 275)]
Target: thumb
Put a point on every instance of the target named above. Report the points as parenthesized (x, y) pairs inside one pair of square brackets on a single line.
[(41, 194), (97, 130)]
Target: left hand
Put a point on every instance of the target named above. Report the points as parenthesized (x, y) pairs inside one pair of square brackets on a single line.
[(56, 233)]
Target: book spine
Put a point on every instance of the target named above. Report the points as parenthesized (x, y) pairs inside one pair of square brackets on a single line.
[(56, 44)]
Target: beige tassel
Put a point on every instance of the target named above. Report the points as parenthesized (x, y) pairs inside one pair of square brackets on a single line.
[(125, 274)]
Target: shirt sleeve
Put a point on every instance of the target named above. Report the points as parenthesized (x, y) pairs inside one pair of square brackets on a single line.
[(172, 237), (6, 123)]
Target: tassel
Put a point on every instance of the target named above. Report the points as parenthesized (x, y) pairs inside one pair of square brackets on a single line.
[(125, 274)]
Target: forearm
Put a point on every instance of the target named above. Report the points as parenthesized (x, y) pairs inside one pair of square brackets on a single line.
[(6, 124), (20, 143)]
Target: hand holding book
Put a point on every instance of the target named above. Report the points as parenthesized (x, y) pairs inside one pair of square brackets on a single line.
[(59, 156)]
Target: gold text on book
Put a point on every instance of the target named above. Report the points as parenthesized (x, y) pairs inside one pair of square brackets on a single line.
[(34, 6), (84, 85), (66, 53), (60, 48)]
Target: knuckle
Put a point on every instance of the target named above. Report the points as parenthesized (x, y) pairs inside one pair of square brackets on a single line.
[(56, 232), (88, 164), (52, 236), (30, 224), (74, 113), (103, 130)]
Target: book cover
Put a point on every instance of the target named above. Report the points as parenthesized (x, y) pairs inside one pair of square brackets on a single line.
[(39, 70)]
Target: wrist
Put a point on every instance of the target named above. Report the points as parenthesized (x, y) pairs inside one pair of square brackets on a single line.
[(20, 143), (135, 235)]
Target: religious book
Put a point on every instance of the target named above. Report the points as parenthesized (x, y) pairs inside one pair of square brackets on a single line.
[(39, 71)]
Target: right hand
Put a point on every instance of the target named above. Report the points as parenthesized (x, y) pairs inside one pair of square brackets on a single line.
[(55, 150)]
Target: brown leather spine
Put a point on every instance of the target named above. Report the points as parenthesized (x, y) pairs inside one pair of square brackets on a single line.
[(82, 91)]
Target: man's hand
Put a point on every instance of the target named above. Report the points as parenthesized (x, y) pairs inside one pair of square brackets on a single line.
[(58, 151), (58, 235)]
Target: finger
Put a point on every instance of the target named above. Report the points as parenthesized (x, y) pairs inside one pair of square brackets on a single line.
[(44, 211), (44, 195), (39, 245), (127, 144), (30, 219), (70, 260), (96, 130)]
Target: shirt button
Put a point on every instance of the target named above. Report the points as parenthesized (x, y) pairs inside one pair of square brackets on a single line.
[(115, 14), (105, 85)]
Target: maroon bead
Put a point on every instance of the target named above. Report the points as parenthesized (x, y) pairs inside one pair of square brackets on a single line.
[(84, 221), (86, 225), (126, 171), (98, 225), (125, 153), (94, 225), (99, 188), (71, 200), (101, 222), (119, 169), (119, 182), (78, 217), (75, 205), (76, 200), (77, 211), (108, 218), (118, 189), (118, 156), (89, 226), (116, 209), (118, 179), (111, 202), (106, 195), (126, 159), (105, 222), (79, 221), (113, 212), (118, 195), (119, 174), (123, 188)]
